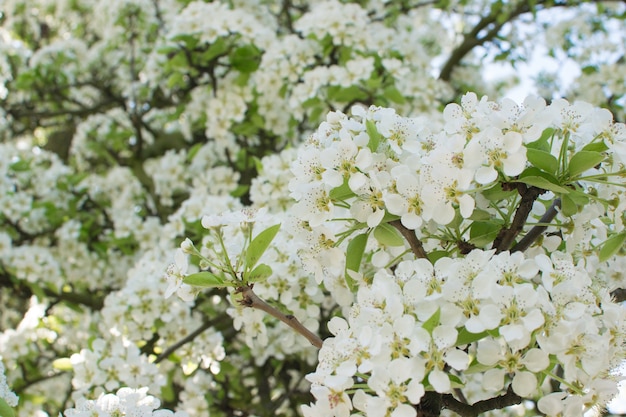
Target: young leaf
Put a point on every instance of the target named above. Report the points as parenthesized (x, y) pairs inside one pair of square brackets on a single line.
[(354, 254), (341, 193), (387, 235), (260, 273), (5, 409), (465, 337), (259, 245), (568, 206), (542, 143), (543, 160), (595, 147), (375, 136), (544, 184), (612, 245), (582, 161), (483, 232), (430, 324), (204, 279)]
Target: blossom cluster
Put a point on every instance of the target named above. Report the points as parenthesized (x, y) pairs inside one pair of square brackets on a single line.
[(125, 402), (5, 392), (126, 123), (510, 316), (514, 319)]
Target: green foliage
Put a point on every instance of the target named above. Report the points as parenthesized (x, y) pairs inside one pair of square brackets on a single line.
[(259, 245), (5, 410), (204, 279), (354, 256)]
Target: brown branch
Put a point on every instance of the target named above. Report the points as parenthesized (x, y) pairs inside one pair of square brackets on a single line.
[(536, 231), (250, 299), (619, 295), (471, 39), (506, 236), (167, 352), (473, 410), (409, 235)]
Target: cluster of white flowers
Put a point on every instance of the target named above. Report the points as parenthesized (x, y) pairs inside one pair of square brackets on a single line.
[(519, 317), (111, 364), (516, 320), (5, 392), (125, 402)]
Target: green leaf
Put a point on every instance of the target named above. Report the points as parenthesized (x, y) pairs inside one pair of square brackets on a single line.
[(5, 409), (204, 279), (543, 160), (568, 206), (354, 255), (595, 147), (341, 193), (582, 161), (259, 244), (393, 94), (387, 235), (346, 94), (496, 193), (483, 232), (612, 245), (219, 47), (544, 184), (430, 324), (246, 59), (434, 256), (375, 136), (20, 165), (465, 337), (542, 143), (260, 273)]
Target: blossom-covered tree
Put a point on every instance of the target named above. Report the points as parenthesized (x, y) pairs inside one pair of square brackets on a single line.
[(261, 208)]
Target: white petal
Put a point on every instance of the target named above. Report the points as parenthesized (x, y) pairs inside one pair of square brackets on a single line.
[(457, 359), (485, 175), (493, 380), (440, 381), (524, 383), (536, 360)]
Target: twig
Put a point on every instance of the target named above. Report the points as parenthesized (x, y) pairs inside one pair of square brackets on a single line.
[(167, 352), (250, 299), (409, 235), (536, 231), (619, 295), (506, 236), (473, 410)]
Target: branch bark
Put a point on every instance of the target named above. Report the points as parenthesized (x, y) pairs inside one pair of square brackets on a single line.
[(250, 299), (473, 410), (506, 236), (536, 231), (409, 235), (167, 352)]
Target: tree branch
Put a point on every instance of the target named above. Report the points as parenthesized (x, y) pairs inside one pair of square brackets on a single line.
[(506, 236), (536, 231), (250, 299), (473, 410), (409, 235), (167, 352)]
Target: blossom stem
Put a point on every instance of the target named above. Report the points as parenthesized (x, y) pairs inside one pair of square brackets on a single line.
[(250, 299), (409, 235)]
